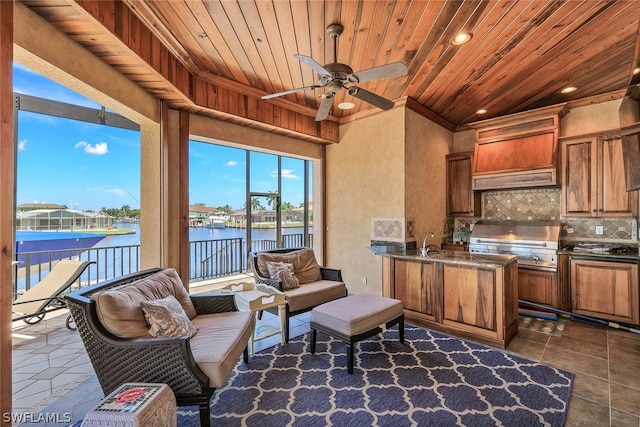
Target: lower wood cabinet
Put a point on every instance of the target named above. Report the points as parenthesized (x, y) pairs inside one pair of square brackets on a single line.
[(414, 285), (606, 290), (538, 286), (459, 294)]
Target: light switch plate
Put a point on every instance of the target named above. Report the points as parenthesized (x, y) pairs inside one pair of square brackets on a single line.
[(599, 230)]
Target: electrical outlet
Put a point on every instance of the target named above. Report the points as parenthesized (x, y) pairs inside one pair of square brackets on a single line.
[(569, 230), (599, 230), (364, 280)]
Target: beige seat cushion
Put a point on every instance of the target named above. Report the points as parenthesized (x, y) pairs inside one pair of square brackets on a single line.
[(221, 339), (305, 266), (356, 314), (312, 294), (119, 308)]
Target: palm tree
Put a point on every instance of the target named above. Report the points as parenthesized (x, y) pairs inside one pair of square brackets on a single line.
[(286, 207), (272, 199), (125, 210)]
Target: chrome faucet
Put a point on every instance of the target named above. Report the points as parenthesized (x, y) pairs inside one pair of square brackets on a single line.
[(424, 250)]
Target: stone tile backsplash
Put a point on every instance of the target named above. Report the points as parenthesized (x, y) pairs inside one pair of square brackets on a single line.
[(538, 204)]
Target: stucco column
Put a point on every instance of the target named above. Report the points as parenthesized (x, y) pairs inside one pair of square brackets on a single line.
[(151, 230)]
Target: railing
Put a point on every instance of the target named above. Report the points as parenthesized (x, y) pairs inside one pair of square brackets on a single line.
[(209, 259)]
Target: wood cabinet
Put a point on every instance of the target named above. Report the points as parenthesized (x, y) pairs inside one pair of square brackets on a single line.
[(518, 151), (414, 285), (594, 179), (631, 152), (606, 290), (539, 286), (461, 199), (471, 296)]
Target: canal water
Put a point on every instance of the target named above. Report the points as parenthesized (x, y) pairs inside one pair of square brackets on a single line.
[(195, 234)]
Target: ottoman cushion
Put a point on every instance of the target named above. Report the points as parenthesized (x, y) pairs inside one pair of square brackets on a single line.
[(357, 313)]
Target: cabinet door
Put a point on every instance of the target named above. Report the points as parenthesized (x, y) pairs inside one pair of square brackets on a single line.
[(414, 286), (607, 290), (461, 199), (469, 296), (579, 178), (538, 286), (613, 198)]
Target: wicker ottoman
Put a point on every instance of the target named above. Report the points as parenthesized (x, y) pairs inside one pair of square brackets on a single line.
[(354, 318), (135, 405)]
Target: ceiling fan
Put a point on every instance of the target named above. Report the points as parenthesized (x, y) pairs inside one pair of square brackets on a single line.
[(336, 76)]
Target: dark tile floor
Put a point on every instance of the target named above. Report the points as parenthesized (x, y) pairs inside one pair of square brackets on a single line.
[(605, 361), (606, 364)]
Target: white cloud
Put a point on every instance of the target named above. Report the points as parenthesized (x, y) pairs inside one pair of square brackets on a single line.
[(232, 163), (22, 145), (117, 192), (100, 148), (286, 174)]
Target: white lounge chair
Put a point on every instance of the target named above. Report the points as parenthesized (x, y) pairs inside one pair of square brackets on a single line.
[(45, 296)]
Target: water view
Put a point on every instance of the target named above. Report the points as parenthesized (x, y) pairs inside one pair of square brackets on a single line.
[(214, 252)]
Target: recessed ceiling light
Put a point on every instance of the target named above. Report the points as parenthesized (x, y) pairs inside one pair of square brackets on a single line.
[(481, 111), (636, 70), (461, 38), (569, 89), (346, 105)]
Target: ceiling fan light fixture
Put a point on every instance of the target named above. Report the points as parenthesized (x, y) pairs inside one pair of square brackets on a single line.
[(569, 89), (346, 105), (461, 39)]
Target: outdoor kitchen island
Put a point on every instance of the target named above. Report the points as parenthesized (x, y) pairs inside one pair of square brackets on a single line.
[(473, 296)]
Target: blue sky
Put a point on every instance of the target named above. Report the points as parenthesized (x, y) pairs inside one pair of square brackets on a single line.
[(88, 167)]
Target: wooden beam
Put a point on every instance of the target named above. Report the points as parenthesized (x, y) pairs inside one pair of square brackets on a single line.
[(7, 195), (183, 197)]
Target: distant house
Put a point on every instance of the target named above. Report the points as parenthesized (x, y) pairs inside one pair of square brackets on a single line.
[(61, 220), (265, 215), (199, 213)]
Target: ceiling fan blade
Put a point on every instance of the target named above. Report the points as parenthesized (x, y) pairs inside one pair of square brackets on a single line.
[(389, 70), (287, 92), (325, 107), (313, 64), (371, 98)]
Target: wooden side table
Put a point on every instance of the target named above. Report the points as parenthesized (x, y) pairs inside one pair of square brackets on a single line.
[(257, 298), (133, 405)]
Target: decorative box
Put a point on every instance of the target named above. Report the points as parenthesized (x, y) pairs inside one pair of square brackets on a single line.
[(256, 300), (135, 404), (237, 287)]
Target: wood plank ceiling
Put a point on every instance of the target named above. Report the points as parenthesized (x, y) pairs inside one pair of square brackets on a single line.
[(522, 53)]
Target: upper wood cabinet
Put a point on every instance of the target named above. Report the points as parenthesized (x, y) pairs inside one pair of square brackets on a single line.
[(631, 151), (461, 199), (594, 179)]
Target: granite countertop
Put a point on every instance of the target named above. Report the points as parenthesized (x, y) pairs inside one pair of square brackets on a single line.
[(448, 257), (631, 251)]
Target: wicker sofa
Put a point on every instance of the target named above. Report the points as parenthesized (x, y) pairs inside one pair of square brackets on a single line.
[(317, 284), (116, 335)]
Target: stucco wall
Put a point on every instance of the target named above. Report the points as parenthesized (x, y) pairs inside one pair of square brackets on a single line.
[(591, 118), (426, 145), (365, 177)]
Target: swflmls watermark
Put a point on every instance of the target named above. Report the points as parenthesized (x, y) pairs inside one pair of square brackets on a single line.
[(40, 417)]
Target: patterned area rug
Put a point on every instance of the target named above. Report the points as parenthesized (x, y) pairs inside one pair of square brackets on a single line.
[(431, 380)]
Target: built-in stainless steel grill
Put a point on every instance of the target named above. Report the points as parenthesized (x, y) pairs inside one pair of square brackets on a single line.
[(534, 242)]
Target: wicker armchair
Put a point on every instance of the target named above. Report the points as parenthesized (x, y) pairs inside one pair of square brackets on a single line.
[(149, 360), (309, 295)]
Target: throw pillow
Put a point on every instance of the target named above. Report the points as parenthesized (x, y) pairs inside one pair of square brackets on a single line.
[(167, 318), (283, 271)]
